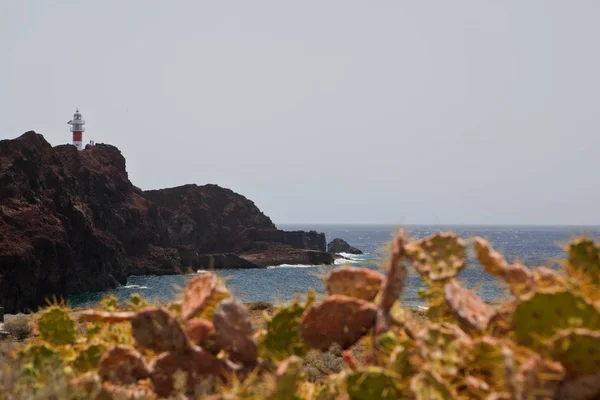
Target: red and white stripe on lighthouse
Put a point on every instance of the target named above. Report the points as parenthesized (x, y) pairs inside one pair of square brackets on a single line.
[(77, 127)]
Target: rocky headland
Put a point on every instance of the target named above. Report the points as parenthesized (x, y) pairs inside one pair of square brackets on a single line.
[(338, 245), (72, 222)]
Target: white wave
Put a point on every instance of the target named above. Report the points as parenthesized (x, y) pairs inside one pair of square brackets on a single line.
[(201, 271), (341, 261), (353, 256), (424, 308), (293, 266), (133, 287)]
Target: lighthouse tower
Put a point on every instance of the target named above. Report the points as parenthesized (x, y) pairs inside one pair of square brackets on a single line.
[(77, 127)]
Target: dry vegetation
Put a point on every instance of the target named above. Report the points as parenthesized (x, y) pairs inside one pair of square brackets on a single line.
[(357, 343)]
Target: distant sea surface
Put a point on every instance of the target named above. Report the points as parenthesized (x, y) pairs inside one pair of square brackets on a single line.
[(535, 245)]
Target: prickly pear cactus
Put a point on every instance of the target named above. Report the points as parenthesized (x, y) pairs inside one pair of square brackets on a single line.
[(584, 258), (157, 329), (361, 283), (468, 308), (428, 385), (540, 315), (282, 338), (201, 295), (396, 272), (373, 383), (234, 332), (199, 330), (56, 326), (493, 362), (89, 358), (338, 319), (578, 350), (444, 346), (287, 378), (438, 257), (122, 364)]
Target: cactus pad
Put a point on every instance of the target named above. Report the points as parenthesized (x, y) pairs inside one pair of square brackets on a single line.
[(444, 346), (107, 316), (427, 385), (578, 350), (541, 314), (492, 261), (234, 332), (157, 329), (122, 364), (373, 383), (438, 257), (361, 283), (198, 330), (195, 364), (468, 308), (493, 361), (339, 319), (282, 337), (396, 272), (584, 257), (89, 358), (286, 376), (202, 292), (56, 326), (545, 278)]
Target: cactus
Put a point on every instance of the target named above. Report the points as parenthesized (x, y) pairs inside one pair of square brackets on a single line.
[(195, 365), (537, 375), (428, 385), (438, 257), (578, 350), (157, 329), (468, 308), (373, 383), (199, 330), (444, 346), (544, 312), (286, 379), (494, 363), (584, 259), (89, 358), (56, 326), (339, 319), (234, 332), (361, 283), (201, 295), (394, 282), (282, 336), (122, 364)]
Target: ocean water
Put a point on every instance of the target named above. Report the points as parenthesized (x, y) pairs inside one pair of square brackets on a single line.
[(535, 245)]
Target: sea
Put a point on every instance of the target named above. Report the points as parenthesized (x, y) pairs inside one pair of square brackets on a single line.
[(531, 245)]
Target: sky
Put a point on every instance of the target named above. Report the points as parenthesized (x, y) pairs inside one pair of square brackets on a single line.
[(337, 111)]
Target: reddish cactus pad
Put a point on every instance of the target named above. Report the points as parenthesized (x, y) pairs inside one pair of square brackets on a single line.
[(157, 329), (198, 330), (467, 307), (123, 364), (234, 331), (361, 283), (339, 319), (198, 294)]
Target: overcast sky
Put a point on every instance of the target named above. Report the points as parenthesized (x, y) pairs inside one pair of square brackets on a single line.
[(326, 111)]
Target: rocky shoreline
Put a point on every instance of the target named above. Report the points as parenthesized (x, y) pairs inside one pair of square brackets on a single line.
[(71, 222)]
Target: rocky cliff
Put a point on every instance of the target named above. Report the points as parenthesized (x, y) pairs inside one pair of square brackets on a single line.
[(73, 222)]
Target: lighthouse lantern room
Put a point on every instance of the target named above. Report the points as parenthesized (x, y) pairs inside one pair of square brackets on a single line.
[(77, 127)]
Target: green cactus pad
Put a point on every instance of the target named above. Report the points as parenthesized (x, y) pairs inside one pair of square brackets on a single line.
[(493, 362), (427, 385), (89, 358), (373, 383), (438, 257), (56, 326), (540, 315), (584, 257), (578, 350), (287, 375), (444, 347), (282, 338)]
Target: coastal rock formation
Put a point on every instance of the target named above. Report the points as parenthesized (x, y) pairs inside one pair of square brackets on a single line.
[(338, 245), (71, 222)]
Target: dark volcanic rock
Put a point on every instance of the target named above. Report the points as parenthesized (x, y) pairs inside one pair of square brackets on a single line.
[(338, 245), (71, 221)]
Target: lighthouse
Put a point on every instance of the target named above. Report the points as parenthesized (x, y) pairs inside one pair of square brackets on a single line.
[(77, 127)]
